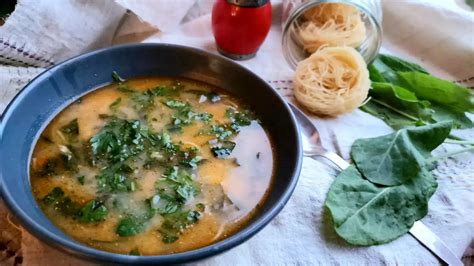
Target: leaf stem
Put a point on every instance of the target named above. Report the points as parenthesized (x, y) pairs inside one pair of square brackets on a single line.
[(449, 154), (395, 110), (461, 142), (454, 137)]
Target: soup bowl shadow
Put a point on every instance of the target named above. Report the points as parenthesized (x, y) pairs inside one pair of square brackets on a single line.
[(45, 96)]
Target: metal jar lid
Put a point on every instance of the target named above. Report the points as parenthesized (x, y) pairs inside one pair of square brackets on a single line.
[(248, 3)]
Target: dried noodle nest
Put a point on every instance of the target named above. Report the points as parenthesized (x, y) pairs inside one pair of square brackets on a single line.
[(332, 24), (332, 81)]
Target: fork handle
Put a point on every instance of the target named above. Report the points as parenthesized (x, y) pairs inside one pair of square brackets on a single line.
[(334, 158)]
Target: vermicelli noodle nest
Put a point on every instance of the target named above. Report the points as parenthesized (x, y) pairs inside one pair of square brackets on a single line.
[(332, 81), (331, 24)]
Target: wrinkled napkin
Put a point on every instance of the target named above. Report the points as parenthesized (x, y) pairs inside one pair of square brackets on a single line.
[(437, 34)]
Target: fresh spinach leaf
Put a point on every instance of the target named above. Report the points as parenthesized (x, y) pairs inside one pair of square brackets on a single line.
[(437, 100), (435, 90), (6, 8), (385, 68), (441, 113), (397, 64), (470, 3), (401, 108), (396, 158), (374, 74), (366, 214), (401, 101), (393, 118)]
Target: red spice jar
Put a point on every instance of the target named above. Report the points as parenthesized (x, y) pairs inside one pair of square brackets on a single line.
[(240, 26)]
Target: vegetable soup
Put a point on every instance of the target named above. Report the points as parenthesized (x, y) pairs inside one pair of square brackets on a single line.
[(152, 166)]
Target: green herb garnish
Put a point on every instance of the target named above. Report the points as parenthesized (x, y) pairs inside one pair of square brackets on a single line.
[(131, 225), (177, 185), (116, 77), (134, 252), (115, 178), (93, 211), (118, 141), (135, 224), (184, 115), (175, 223), (49, 168), (72, 128), (223, 149), (55, 195), (213, 97), (200, 207), (81, 179), (113, 106)]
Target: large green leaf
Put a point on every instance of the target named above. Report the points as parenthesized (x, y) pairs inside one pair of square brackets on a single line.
[(7, 7), (396, 158), (397, 64), (441, 113), (401, 100), (400, 108), (392, 118), (366, 214), (470, 3), (385, 68), (437, 100), (435, 90), (374, 74)]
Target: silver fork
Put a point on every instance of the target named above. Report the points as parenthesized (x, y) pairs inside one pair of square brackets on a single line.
[(312, 147)]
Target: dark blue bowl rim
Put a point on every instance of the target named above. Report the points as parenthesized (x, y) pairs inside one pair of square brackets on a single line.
[(75, 248)]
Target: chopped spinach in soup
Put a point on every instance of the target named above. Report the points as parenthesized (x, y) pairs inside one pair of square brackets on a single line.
[(152, 166)]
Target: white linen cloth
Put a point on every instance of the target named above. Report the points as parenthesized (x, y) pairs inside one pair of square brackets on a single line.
[(437, 34)]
